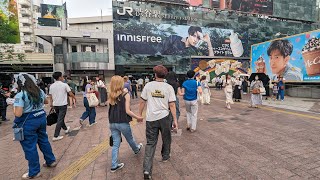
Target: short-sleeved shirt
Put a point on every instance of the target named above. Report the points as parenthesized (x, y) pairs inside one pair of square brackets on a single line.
[(22, 100), (127, 86), (158, 96), (59, 92), (88, 86), (191, 87)]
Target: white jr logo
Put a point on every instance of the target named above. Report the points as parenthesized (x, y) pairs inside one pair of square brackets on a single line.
[(125, 10)]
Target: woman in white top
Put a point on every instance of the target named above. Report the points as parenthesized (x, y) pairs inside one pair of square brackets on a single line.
[(102, 91), (228, 90)]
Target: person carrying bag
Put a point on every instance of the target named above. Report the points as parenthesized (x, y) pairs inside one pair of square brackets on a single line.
[(30, 125), (90, 101)]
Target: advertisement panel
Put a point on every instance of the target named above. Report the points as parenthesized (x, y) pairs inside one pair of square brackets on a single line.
[(135, 37), (51, 14), (296, 58), (9, 24), (251, 6), (219, 67)]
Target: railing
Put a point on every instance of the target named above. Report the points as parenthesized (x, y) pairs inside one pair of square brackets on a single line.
[(25, 20), (87, 57), (25, 3), (25, 12), (305, 91), (26, 30)]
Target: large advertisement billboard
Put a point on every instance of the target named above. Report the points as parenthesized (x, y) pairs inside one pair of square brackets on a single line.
[(166, 39), (296, 58), (9, 24), (220, 67), (251, 6)]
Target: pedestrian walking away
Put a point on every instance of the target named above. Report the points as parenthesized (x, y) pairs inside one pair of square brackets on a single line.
[(30, 115), (159, 97), (281, 89), (237, 89), (205, 97), (134, 88), (90, 111), (120, 115), (102, 91), (190, 90), (58, 93)]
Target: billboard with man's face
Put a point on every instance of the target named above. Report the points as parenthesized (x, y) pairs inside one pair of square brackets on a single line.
[(295, 58), (9, 24)]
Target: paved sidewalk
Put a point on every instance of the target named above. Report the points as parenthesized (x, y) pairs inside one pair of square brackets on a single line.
[(241, 143)]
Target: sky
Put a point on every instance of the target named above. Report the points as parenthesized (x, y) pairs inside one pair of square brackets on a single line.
[(85, 8)]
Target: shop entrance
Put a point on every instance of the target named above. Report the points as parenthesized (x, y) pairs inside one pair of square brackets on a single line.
[(137, 70)]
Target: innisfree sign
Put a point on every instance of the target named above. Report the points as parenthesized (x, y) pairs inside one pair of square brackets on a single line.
[(140, 12)]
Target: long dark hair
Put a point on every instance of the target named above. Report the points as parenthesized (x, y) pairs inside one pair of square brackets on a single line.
[(32, 90), (172, 78), (85, 82)]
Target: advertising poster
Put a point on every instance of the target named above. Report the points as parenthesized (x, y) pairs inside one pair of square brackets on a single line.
[(251, 6), (220, 67), (133, 37), (296, 58), (9, 24), (51, 15)]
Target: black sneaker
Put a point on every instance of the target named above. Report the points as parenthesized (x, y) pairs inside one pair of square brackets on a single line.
[(146, 175), (140, 147), (120, 166), (5, 120)]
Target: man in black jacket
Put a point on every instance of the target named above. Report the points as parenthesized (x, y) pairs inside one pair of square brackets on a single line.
[(3, 104)]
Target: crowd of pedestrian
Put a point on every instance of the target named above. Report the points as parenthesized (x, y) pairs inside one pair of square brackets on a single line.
[(160, 97)]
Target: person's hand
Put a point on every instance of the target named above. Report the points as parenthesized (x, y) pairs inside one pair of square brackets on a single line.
[(175, 124), (7, 94), (207, 39), (51, 105), (140, 118)]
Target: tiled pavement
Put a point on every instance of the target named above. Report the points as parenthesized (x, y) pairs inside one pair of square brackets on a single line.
[(239, 144)]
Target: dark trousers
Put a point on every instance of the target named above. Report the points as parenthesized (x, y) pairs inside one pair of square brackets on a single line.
[(152, 133), (134, 93), (61, 111), (3, 114)]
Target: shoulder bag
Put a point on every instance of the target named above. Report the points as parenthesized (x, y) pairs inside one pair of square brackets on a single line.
[(18, 131), (92, 99), (52, 117)]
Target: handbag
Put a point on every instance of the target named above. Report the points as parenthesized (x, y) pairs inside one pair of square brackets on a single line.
[(18, 131), (262, 90), (92, 99), (52, 118), (256, 91)]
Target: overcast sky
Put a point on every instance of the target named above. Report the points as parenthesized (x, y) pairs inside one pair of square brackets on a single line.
[(85, 8)]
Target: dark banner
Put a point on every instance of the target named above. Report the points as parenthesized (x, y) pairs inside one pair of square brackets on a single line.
[(133, 37), (50, 11), (251, 6)]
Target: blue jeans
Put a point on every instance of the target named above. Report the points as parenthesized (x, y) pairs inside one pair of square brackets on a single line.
[(35, 133), (280, 95), (116, 130), (90, 112)]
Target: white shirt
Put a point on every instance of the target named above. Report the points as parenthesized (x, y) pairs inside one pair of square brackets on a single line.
[(158, 96), (140, 81), (59, 91), (100, 84)]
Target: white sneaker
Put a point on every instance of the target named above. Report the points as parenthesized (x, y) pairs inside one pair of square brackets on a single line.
[(26, 176), (140, 147), (57, 138), (92, 124), (68, 130)]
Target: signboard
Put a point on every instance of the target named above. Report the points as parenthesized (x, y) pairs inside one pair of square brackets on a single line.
[(251, 6), (51, 14), (296, 58), (9, 24), (135, 37), (219, 67)]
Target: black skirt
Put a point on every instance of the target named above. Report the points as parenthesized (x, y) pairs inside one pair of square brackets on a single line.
[(237, 92)]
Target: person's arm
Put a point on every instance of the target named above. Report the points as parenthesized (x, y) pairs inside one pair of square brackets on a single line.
[(50, 100), (207, 39), (128, 110), (70, 93), (172, 106), (141, 108), (18, 105), (181, 91)]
